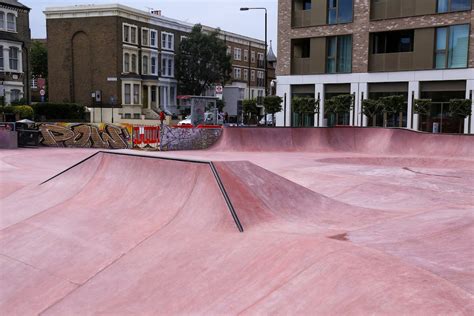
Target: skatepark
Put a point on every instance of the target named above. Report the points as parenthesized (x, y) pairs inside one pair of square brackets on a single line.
[(323, 221)]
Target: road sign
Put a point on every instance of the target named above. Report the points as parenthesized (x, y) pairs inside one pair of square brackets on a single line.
[(219, 89), (42, 92)]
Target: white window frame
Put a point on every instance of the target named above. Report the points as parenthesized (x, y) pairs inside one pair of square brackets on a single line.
[(16, 58), (260, 56), (131, 28), (157, 64), (246, 55), (246, 74), (168, 39), (14, 21), (126, 69), (252, 75), (237, 53), (229, 50), (165, 68), (147, 37), (237, 73), (252, 56), (124, 94), (156, 38), (3, 20), (182, 37), (134, 63), (146, 68)]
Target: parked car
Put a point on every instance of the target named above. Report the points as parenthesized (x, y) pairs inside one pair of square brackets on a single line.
[(209, 118), (186, 121), (269, 120)]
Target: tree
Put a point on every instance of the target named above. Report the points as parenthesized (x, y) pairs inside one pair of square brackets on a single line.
[(272, 105), (393, 104), (250, 108), (460, 108), (371, 108), (220, 104), (39, 60), (305, 105), (422, 107), (339, 104), (202, 61)]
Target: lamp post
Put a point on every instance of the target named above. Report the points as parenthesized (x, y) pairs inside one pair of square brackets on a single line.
[(266, 50)]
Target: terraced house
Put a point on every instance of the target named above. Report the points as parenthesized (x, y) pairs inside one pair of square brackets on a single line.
[(15, 41), (374, 48), (120, 61)]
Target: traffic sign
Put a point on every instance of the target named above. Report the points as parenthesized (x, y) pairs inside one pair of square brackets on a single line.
[(42, 92), (219, 89)]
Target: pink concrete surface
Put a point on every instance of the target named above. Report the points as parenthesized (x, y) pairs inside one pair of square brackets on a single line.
[(336, 221)]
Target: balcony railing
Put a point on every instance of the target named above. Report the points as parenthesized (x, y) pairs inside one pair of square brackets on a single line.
[(301, 18), (391, 62), (301, 66)]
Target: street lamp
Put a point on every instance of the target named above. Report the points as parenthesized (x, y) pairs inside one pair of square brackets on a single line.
[(266, 50)]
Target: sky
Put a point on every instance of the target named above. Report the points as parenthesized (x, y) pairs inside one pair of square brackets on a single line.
[(216, 13)]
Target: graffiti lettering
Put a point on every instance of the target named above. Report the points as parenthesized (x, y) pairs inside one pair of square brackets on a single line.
[(84, 136)]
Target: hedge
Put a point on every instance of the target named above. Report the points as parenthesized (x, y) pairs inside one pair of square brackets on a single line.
[(59, 111), (23, 111)]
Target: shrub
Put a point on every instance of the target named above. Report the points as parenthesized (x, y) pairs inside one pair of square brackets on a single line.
[(59, 111), (422, 106), (23, 111), (460, 108)]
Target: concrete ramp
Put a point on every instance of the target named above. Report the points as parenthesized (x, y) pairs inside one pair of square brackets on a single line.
[(345, 139)]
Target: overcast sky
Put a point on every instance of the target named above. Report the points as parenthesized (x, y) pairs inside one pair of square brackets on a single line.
[(216, 13)]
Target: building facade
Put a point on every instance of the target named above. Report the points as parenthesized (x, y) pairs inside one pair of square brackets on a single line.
[(120, 62), (15, 41), (375, 48)]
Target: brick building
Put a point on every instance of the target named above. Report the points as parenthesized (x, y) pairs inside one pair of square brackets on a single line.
[(14, 47), (375, 48), (125, 58)]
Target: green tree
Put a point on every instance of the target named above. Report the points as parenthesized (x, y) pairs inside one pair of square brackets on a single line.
[(272, 105), (202, 61), (250, 109), (39, 60), (393, 104), (220, 104), (371, 108), (422, 107), (461, 108), (339, 104), (305, 105)]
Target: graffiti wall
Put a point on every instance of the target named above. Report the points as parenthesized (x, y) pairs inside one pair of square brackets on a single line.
[(85, 135), (122, 136)]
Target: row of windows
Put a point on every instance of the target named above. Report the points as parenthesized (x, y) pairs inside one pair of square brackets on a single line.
[(238, 54), (132, 94), (10, 20), (238, 74), (13, 59), (149, 37), (149, 64)]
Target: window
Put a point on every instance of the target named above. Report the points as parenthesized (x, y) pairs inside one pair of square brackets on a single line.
[(145, 37), (134, 63), (13, 58), (145, 65), (172, 95), (252, 75), (237, 72), (452, 46), (339, 54), (133, 34), (260, 60), (1, 58), (136, 116), (246, 55), (126, 63), (136, 94), (393, 42), (339, 11), (34, 83), (229, 50), (153, 93), (153, 36), (2, 20), (11, 22), (237, 54), (15, 95), (252, 56), (154, 65), (167, 65), (127, 94), (453, 5), (167, 41), (126, 33), (246, 74), (307, 5), (182, 38)]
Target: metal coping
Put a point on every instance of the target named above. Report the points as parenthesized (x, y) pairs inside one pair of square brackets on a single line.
[(215, 173)]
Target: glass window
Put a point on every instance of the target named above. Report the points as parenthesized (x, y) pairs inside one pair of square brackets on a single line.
[(145, 65), (237, 53), (153, 66), (11, 19), (167, 41), (134, 63), (136, 94), (252, 75), (126, 33), (153, 38), (170, 66), (246, 74), (392, 42), (252, 57), (15, 95), (145, 37), (2, 20), (453, 5), (127, 94), (443, 6), (13, 58), (1, 58), (133, 36), (339, 11), (452, 46), (126, 63), (339, 54), (246, 55), (307, 5), (153, 93), (236, 73)]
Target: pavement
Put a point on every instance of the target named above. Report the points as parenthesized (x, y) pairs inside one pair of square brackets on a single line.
[(335, 221)]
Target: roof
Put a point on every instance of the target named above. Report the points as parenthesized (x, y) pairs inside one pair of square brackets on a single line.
[(14, 3), (271, 55)]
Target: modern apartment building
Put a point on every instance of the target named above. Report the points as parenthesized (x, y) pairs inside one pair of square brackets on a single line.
[(14, 47), (120, 61), (374, 48)]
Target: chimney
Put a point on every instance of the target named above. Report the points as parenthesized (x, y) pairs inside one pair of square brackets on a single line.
[(156, 12)]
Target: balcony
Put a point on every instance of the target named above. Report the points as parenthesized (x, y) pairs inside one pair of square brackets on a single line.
[(391, 62), (301, 18), (301, 66)]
